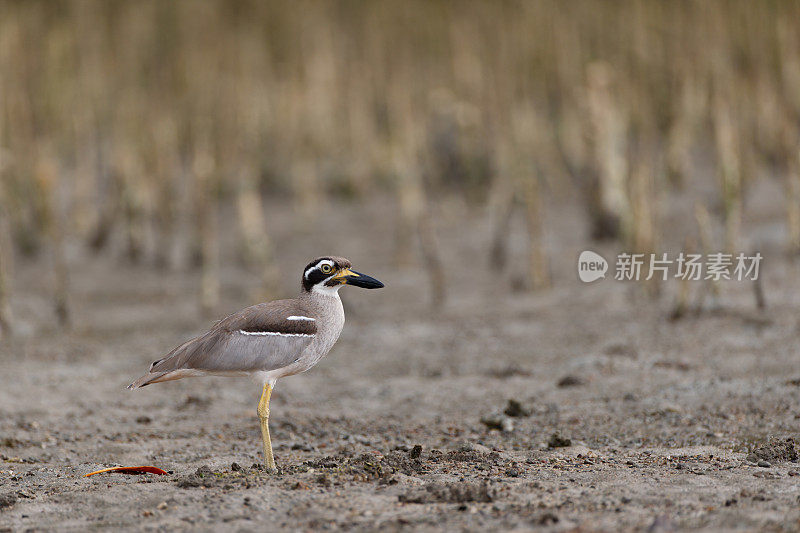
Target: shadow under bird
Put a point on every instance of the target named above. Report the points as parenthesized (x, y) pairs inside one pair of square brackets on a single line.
[(269, 340)]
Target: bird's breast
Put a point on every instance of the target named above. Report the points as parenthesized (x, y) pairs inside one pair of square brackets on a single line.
[(330, 327)]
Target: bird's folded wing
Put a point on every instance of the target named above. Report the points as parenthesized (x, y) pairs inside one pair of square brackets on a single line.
[(262, 337)]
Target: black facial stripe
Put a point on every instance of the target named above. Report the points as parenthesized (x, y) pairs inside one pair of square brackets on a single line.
[(315, 276)]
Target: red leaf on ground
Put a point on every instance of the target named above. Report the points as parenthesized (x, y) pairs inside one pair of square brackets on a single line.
[(132, 470)]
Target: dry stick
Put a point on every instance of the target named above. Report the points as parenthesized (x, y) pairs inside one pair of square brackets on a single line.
[(730, 170), (680, 136), (418, 207), (6, 252), (203, 170), (537, 259), (502, 202), (758, 293), (363, 137), (47, 175), (527, 127), (704, 226), (609, 128), (109, 198), (790, 72), (257, 247), (408, 187), (793, 200), (166, 169), (642, 211), (6, 272), (183, 239), (409, 199), (133, 203), (682, 299), (430, 257), (503, 213), (305, 178)]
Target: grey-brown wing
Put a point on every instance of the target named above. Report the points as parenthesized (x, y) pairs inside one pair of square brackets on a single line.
[(262, 337)]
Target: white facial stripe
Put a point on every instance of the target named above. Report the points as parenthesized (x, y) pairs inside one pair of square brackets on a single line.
[(319, 264), (263, 333), (296, 317)]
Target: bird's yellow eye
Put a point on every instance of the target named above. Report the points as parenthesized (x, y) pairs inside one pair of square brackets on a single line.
[(326, 269)]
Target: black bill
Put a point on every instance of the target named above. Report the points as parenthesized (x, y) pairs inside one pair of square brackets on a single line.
[(362, 280)]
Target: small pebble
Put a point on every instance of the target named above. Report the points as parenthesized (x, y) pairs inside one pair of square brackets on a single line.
[(571, 381), (516, 409), (415, 452), (764, 464), (558, 441), (7, 499), (203, 471)]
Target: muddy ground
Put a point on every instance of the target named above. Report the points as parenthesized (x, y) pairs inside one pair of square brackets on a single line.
[(579, 408)]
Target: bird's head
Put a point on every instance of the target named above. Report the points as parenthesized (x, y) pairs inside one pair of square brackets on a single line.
[(328, 274)]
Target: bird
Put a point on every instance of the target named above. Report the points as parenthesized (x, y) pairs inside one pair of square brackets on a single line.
[(269, 340)]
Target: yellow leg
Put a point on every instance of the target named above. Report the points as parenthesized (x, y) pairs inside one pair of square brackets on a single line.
[(263, 416)]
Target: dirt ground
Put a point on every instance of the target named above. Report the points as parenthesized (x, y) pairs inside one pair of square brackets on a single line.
[(583, 407)]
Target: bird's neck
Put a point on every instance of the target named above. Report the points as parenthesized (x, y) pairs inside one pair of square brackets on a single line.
[(322, 291), (328, 305)]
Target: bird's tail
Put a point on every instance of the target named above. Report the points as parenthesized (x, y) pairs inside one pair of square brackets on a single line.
[(147, 379)]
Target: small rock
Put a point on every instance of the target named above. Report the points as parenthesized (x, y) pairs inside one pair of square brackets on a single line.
[(450, 493), (144, 419), (571, 381), (498, 421), (515, 409), (775, 451), (236, 467), (557, 441), (188, 482), (623, 350), (203, 471), (415, 452), (162, 506), (509, 371), (466, 446), (547, 519), (764, 464), (7, 499)]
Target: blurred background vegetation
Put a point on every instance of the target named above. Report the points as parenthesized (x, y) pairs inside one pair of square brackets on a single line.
[(135, 120)]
